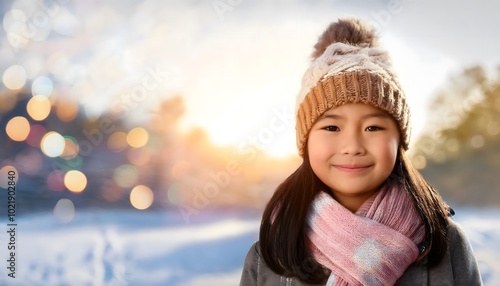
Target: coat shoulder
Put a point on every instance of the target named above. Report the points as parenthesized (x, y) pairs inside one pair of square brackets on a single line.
[(257, 273), (461, 255), (250, 273)]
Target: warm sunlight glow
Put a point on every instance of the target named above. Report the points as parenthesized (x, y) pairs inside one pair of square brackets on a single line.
[(137, 137), (141, 197), (14, 77), (75, 181), (18, 128), (272, 133), (38, 107), (64, 211), (52, 144)]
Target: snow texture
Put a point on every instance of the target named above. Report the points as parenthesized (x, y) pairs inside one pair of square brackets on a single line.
[(160, 248)]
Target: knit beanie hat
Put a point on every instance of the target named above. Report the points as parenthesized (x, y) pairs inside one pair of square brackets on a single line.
[(349, 67)]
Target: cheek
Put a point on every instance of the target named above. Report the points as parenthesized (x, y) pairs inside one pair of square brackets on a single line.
[(318, 152), (320, 146), (388, 153)]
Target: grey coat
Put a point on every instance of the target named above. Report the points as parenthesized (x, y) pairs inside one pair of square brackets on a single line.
[(458, 267)]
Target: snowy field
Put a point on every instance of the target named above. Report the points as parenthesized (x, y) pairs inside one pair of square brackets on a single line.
[(159, 248)]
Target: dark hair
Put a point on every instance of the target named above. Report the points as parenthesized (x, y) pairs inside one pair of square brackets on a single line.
[(283, 227)]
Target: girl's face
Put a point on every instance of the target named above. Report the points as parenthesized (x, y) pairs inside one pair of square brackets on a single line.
[(352, 149)]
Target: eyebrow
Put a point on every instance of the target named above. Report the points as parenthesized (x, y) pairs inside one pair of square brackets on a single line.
[(377, 114)]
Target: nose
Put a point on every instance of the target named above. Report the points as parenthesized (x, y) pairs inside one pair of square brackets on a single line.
[(352, 143)]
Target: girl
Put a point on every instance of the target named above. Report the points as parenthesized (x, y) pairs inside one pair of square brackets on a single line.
[(356, 212)]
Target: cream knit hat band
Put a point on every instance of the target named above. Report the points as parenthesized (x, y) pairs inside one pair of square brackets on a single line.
[(346, 73)]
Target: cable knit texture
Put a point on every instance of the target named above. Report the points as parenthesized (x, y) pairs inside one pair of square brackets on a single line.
[(373, 246), (352, 71)]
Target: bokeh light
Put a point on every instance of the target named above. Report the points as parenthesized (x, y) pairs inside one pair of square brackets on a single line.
[(55, 181), (141, 197), (8, 173), (477, 141), (38, 107), (125, 176), (14, 77), (75, 181), (42, 86), (64, 211), (71, 148), (36, 134), (137, 137), (419, 162), (18, 128), (117, 141), (52, 144), (66, 110)]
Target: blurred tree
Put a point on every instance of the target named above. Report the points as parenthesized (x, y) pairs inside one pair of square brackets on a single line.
[(461, 155)]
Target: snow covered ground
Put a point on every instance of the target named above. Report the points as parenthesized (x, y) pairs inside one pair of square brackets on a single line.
[(483, 229), (160, 248)]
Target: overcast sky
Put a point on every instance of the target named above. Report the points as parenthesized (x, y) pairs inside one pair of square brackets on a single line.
[(237, 63)]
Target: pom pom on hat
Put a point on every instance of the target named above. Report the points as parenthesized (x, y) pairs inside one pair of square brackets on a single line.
[(350, 31), (349, 67)]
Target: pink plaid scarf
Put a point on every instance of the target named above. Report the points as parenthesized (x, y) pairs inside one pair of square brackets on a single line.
[(374, 246)]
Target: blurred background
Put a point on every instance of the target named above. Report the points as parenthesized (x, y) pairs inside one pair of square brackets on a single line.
[(147, 136)]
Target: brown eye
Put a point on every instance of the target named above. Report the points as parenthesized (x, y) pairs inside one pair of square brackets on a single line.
[(373, 128), (332, 128)]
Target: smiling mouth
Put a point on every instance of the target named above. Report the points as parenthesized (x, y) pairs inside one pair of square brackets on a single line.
[(352, 168)]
